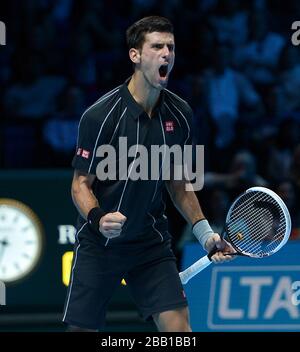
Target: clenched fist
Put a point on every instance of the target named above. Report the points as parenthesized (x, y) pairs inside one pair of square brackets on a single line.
[(111, 224)]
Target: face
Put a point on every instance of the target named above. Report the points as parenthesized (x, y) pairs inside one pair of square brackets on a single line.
[(156, 58)]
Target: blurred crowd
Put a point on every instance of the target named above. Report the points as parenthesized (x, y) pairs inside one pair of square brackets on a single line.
[(235, 65)]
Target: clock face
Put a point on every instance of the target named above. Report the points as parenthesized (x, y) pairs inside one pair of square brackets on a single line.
[(21, 240)]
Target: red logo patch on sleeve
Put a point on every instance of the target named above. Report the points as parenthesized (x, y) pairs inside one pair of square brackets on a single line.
[(85, 154)]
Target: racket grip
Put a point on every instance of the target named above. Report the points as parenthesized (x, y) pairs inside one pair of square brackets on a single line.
[(194, 269)]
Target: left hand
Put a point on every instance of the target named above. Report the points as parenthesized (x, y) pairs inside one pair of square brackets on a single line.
[(223, 247)]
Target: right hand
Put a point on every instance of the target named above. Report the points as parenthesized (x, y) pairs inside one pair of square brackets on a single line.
[(110, 225), (224, 249)]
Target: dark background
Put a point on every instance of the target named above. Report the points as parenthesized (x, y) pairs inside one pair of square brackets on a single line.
[(235, 65)]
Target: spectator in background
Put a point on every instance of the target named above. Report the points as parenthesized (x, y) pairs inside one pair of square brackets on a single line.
[(60, 130), (286, 93), (95, 22), (230, 23), (280, 153), (242, 175), (286, 190), (83, 65), (204, 46), (259, 58), (39, 35), (228, 95), (218, 205), (34, 95)]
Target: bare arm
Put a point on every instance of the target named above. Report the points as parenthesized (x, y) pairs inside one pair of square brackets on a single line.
[(187, 203), (82, 194), (110, 225)]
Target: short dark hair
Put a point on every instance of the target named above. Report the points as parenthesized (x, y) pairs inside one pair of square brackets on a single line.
[(135, 34)]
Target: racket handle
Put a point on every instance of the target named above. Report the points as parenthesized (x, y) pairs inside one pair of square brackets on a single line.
[(194, 269)]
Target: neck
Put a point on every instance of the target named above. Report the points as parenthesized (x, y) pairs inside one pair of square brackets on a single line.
[(143, 93)]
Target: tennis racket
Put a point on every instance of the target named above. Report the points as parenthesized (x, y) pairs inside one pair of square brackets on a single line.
[(257, 225)]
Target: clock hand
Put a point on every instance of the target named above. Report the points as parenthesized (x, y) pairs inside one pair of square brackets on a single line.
[(3, 244)]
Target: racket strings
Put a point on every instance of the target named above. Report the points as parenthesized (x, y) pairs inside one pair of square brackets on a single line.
[(259, 234), (251, 224), (260, 227), (244, 238), (262, 246), (263, 220), (255, 247), (248, 207), (245, 201)]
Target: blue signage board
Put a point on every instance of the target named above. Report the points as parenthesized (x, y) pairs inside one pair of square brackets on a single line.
[(246, 294)]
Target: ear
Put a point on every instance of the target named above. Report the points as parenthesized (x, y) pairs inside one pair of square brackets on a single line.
[(135, 55)]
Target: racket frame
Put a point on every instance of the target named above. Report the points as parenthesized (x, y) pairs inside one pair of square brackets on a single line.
[(205, 261)]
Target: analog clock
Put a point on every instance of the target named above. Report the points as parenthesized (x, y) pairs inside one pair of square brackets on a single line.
[(21, 240)]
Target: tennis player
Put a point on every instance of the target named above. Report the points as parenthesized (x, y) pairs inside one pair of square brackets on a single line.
[(122, 230)]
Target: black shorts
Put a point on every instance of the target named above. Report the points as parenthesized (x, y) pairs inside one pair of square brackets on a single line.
[(150, 273)]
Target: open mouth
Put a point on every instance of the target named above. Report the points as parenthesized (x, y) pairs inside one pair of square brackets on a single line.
[(163, 70)]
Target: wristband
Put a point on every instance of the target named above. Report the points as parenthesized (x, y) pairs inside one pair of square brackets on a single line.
[(94, 216), (202, 231)]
